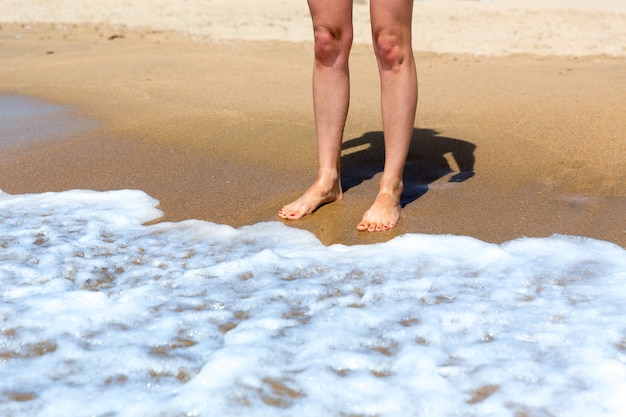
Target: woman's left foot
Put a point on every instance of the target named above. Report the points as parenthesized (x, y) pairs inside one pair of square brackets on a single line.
[(384, 213)]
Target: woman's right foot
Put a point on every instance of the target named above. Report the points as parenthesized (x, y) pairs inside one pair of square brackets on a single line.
[(320, 193)]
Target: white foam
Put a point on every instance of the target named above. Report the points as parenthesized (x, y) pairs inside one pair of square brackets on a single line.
[(101, 315)]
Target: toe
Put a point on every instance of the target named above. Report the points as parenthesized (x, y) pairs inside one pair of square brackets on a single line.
[(285, 213)]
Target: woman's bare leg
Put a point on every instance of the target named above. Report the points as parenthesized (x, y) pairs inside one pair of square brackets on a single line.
[(332, 26), (391, 33)]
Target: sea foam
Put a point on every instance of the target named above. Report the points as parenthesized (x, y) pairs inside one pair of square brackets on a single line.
[(101, 315)]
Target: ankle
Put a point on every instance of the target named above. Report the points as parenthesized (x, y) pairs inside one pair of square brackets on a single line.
[(393, 187), (328, 178)]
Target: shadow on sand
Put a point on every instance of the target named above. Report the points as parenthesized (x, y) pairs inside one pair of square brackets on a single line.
[(430, 158)]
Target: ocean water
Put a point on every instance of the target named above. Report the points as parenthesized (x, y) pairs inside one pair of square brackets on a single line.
[(26, 120), (101, 315)]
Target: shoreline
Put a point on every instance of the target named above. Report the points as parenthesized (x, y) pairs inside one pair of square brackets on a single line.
[(220, 131)]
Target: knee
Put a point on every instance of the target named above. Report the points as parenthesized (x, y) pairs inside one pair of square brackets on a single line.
[(391, 49), (331, 44)]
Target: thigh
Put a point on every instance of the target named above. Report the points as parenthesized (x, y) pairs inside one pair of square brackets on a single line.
[(392, 17), (333, 15)]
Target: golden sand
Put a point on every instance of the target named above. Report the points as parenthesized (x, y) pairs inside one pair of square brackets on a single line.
[(223, 131)]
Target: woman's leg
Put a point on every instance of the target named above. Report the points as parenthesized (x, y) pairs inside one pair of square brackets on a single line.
[(391, 34), (332, 26)]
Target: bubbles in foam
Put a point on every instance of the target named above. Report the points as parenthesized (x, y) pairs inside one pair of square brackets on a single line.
[(101, 315)]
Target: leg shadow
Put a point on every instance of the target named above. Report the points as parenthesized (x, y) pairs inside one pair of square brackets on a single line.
[(430, 158)]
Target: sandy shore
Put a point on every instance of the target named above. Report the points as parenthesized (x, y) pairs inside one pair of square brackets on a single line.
[(220, 127)]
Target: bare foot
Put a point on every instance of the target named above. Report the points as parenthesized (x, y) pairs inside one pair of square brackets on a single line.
[(384, 213), (320, 193)]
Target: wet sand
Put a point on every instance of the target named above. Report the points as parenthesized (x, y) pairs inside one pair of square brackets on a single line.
[(508, 146)]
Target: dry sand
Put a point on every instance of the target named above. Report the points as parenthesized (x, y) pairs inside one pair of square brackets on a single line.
[(206, 107)]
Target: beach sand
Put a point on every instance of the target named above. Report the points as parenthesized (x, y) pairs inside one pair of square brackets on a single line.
[(515, 135)]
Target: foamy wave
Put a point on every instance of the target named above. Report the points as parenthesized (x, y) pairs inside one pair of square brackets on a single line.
[(101, 315)]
